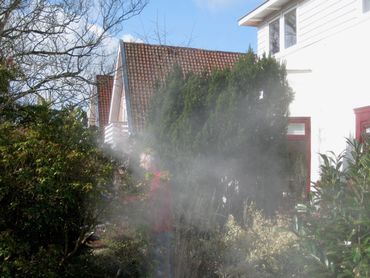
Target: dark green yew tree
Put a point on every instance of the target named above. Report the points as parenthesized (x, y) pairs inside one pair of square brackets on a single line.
[(226, 131)]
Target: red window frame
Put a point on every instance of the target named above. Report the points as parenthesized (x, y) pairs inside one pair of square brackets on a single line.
[(362, 121), (306, 138)]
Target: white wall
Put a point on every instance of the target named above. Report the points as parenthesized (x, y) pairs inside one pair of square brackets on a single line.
[(338, 83), (92, 112), (316, 20), (335, 47), (263, 39)]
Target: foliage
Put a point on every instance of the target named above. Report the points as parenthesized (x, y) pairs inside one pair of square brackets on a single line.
[(222, 136), (261, 248), (55, 186), (7, 73), (198, 252), (53, 180), (335, 226), (123, 255), (234, 120)]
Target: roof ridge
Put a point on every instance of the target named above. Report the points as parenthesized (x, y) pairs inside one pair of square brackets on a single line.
[(183, 47)]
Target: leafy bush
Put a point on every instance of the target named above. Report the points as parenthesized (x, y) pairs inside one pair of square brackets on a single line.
[(55, 186), (52, 181), (262, 248), (198, 252), (335, 225), (124, 254)]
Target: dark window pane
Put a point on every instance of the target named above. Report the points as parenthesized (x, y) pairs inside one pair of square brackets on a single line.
[(274, 36), (290, 20), (366, 5)]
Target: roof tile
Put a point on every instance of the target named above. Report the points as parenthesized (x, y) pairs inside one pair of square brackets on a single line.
[(147, 64), (105, 90)]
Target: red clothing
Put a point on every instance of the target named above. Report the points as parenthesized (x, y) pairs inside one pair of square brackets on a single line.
[(160, 204)]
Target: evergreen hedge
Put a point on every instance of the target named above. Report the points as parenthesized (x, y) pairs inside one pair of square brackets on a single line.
[(231, 124)]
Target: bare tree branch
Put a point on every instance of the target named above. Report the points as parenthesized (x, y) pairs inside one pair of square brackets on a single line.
[(58, 46)]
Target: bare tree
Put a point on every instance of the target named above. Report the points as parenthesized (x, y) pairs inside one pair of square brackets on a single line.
[(160, 34), (58, 45)]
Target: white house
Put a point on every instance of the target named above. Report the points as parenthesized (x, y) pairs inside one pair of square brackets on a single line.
[(326, 47)]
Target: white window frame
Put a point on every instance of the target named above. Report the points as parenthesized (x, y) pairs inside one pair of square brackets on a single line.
[(281, 18)]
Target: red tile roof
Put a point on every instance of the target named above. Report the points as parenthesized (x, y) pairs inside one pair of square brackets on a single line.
[(146, 64), (104, 89)]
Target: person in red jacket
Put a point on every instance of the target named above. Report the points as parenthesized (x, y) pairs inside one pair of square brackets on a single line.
[(160, 215)]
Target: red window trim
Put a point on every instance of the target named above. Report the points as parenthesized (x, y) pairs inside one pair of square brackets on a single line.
[(307, 138)]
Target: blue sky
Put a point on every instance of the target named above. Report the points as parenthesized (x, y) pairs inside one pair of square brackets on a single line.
[(208, 24)]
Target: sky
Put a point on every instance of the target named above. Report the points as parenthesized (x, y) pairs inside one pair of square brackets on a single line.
[(206, 24)]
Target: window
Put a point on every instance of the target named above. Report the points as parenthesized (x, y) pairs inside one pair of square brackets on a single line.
[(274, 29), (296, 129), (365, 6), (290, 28)]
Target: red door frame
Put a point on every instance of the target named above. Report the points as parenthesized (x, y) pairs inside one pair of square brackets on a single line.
[(307, 139), (362, 121)]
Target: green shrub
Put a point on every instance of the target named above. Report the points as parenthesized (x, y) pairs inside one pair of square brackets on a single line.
[(262, 248), (198, 252), (335, 225), (52, 181), (124, 254)]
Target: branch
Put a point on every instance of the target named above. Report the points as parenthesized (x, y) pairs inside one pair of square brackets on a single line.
[(58, 44)]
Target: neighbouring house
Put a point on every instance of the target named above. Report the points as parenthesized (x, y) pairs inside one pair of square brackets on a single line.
[(99, 107), (123, 100), (325, 45)]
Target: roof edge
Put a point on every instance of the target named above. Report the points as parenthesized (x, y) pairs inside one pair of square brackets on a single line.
[(256, 16), (252, 11), (362, 109)]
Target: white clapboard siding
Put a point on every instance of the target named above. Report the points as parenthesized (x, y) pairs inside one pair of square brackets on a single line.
[(319, 19), (262, 39), (316, 21)]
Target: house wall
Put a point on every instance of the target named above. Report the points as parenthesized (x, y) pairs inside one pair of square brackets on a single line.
[(93, 112), (116, 132), (320, 19), (122, 117), (263, 39), (316, 21), (328, 69)]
